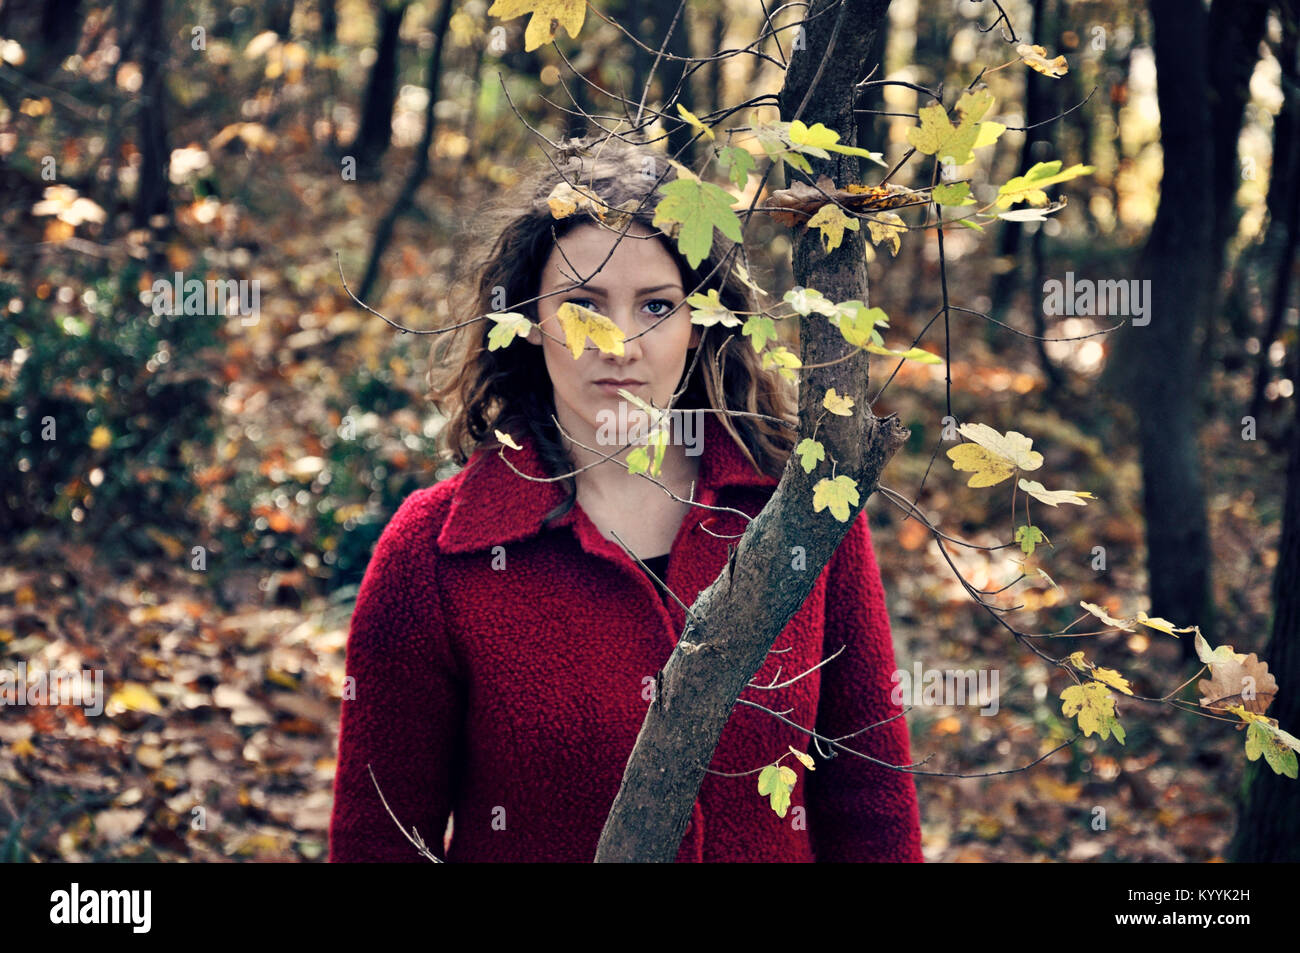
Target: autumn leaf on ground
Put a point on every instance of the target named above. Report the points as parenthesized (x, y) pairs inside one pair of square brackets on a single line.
[(580, 323), (1246, 682), (699, 207), (837, 495), (777, 781), (839, 404), (1055, 497), (832, 221), (547, 15), (1035, 57), (953, 144), (1095, 707)]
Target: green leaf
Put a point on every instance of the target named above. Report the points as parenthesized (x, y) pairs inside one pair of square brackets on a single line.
[(738, 162), (1029, 187), (1028, 537), (759, 329), (837, 495), (1263, 738), (918, 354), (506, 327), (777, 781), (700, 207), (956, 194), (952, 144), (810, 453)]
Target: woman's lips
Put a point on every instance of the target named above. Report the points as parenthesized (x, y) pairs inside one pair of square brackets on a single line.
[(610, 387)]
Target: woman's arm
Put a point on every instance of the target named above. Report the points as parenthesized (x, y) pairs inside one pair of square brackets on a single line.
[(407, 708), (858, 810)]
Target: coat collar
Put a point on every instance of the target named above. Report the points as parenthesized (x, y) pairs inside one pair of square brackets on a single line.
[(494, 505)]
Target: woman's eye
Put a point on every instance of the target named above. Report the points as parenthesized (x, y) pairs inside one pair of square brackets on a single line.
[(667, 306), (581, 302)]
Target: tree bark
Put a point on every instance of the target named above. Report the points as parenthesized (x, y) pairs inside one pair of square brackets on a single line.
[(743, 611), (152, 197), (381, 90), (384, 230), (1157, 365), (1268, 815)]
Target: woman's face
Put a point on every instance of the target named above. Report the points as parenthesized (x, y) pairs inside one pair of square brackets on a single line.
[(637, 286)]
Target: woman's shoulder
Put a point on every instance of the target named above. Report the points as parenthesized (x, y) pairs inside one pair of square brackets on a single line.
[(420, 517)]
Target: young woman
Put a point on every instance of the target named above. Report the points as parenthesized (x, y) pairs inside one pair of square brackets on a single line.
[(504, 644)]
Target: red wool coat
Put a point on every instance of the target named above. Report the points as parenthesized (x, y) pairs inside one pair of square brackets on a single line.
[(502, 671)]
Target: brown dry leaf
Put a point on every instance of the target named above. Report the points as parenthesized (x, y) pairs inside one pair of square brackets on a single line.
[(797, 204), (1229, 681)]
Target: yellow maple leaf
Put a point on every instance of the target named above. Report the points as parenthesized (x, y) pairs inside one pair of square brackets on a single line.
[(840, 404), (837, 495), (887, 226), (548, 15), (989, 468), (832, 221), (580, 323)]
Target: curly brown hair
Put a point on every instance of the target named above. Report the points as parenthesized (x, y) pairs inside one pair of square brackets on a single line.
[(479, 390)]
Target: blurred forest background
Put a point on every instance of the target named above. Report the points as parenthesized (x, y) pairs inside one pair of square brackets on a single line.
[(140, 138)]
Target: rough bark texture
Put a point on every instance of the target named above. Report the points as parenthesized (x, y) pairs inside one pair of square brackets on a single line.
[(743, 611)]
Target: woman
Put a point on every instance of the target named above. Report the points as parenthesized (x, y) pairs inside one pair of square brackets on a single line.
[(504, 644)]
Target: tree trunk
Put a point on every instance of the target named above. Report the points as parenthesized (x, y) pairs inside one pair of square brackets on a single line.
[(152, 197), (1236, 29), (1268, 815), (739, 616), (384, 231), (381, 90), (1157, 365)]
